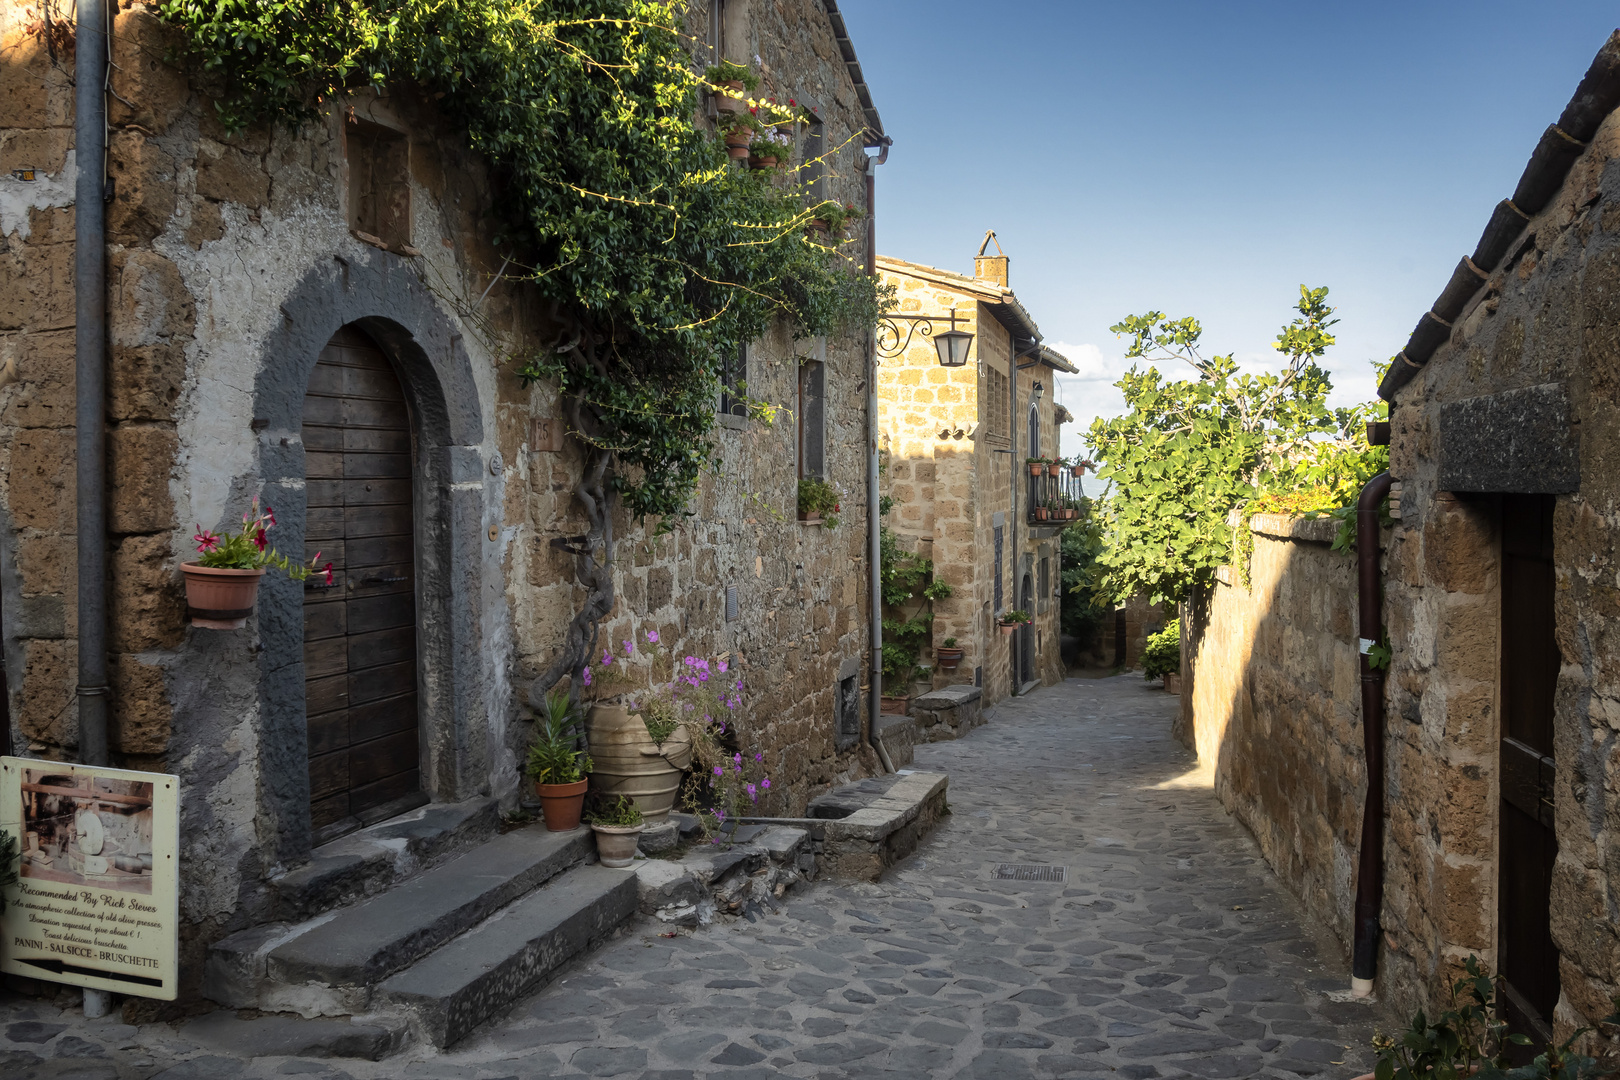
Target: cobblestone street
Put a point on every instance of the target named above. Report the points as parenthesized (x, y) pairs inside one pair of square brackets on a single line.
[(1169, 951)]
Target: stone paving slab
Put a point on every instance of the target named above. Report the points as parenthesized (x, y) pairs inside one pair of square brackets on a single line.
[(1169, 951)]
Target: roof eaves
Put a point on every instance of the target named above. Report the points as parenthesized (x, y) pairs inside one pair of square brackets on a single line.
[(1057, 361), (846, 50), (1556, 152)]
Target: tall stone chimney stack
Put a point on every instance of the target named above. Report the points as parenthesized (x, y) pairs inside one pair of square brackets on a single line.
[(991, 267)]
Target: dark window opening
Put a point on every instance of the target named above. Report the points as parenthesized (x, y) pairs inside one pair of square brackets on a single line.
[(998, 569), (849, 711), (379, 183), (734, 382), (812, 419)]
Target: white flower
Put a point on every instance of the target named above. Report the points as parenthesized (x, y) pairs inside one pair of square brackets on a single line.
[(757, 61)]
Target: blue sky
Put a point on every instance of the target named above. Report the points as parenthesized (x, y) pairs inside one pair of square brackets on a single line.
[(1207, 158)]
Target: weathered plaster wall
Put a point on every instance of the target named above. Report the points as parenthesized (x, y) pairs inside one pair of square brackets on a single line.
[(1273, 708)]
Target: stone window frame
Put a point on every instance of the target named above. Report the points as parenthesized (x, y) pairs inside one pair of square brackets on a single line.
[(997, 387), (456, 499), (366, 143), (848, 710), (810, 412), (734, 379)]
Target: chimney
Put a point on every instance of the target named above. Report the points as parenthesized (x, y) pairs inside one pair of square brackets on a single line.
[(991, 267)]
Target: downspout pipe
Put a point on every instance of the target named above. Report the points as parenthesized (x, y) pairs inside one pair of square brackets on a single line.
[(1370, 865), (873, 520), (90, 372)]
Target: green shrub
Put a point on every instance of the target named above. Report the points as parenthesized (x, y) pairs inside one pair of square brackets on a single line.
[(1162, 656)]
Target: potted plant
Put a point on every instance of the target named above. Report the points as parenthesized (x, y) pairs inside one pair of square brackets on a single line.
[(1054, 468), (737, 129), (1041, 513), (1161, 656), (1037, 466), (948, 654), (1078, 469), (1013, 619), (730, 84), (618, 826), (769, 149), (557, 764), (222, 585), (895, 705), (818, 502), (832, 217)]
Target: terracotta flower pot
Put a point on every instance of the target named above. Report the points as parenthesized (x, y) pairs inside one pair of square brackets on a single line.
[(739, 136), (948, 657), (220, 599), (1041, 513), (1007, 628), (895, 704), (1077, 471), (1036, 468), (1172, 684), (562, 804), (809, 519), (762, 163), (727, 103), (1054, 470), (616, 844)]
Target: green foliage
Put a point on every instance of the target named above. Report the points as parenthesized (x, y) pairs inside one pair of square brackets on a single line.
[(835, 214), (1161, 655), (249, 548), (618, 813), (1081, 543), (909, 590), (8, 861), (655, 254), (554, 755), (816, 496), (727, 71), (1016, 617), (1470, 1040), (1190, 451)]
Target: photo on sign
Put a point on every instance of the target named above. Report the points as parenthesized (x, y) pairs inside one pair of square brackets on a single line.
[(86, 830)]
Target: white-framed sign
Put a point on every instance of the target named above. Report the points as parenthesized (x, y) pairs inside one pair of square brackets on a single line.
[(96, 902)]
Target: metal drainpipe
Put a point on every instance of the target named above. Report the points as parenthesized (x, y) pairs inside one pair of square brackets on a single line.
[(873, 524), (90, 371), (1370, 861)]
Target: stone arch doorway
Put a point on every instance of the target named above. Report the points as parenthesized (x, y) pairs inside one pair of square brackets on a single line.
[(360, 663), (455, 497)]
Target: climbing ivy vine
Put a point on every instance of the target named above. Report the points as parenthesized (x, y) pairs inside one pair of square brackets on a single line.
[(653, 254)]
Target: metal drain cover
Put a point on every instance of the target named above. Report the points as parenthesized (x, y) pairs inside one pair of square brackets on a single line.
[(1029, 872)]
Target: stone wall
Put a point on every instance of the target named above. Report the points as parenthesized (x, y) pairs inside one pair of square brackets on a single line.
[(1272, 707), (231, 263)]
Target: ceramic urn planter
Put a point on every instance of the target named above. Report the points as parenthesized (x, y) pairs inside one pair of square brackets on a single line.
[(219, 599)]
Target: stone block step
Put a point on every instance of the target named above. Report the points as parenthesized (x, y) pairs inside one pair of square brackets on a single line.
[(361, 945), (451, 992)]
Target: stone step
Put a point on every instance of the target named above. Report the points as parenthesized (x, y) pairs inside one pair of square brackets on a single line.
[(465, 982), (328, 965)]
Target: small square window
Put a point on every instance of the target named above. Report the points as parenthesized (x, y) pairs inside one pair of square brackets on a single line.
[(379, 183)]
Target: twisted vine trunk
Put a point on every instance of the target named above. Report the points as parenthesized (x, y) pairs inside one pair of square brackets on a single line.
[(593, 567)]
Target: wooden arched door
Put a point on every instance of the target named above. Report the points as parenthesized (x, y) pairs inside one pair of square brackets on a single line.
[(359, 630)]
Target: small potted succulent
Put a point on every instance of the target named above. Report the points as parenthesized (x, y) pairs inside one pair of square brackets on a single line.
[(730, 83), (617, 824), (818, 502), (222, 585), (1037, 465), (948, 653), (1013, 619), (556, 763)]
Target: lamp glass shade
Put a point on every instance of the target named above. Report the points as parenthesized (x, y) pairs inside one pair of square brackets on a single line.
[(952, 346), (1039, 392)]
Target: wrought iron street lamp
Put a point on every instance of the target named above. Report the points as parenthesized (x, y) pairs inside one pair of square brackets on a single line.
[(951, 345)]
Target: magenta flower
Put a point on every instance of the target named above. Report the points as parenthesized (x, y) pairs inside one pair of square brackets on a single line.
[(607, 658), (585, 675), (206, 541), (759, 757), (652, 636), (737, 758), (753, 792), (629, 647), (722, 667), (718, 771), (766, 783)]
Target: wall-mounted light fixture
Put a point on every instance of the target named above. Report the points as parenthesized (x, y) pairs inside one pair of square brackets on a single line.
[(950, 345), (1037, 393)]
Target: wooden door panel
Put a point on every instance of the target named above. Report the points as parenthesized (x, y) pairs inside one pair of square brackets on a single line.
[(360, 636)]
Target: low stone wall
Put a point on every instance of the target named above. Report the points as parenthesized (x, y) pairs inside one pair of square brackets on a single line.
[(1274, 707), (947, 713)]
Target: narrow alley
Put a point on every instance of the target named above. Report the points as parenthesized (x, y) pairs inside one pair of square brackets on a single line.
[(1168, 950)]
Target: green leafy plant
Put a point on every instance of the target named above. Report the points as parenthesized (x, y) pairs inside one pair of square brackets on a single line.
[(1190, 451), (816, 496), (1016, 617), (8, 862), (909, 589), (1471, 1040), (1161, 654), (555, 755), (836, 215), (249, 548), (649, 276), (1080, 545), (948, 643), (618, 812), (727, 71)]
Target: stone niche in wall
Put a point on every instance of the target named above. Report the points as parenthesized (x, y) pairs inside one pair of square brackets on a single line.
[(379, 183)]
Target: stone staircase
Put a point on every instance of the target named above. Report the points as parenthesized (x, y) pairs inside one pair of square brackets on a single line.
[(439, 951)]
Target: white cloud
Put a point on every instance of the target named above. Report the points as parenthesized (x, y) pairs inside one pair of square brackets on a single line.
[(1090, 393)]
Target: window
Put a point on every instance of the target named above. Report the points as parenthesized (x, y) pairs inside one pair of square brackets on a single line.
[(734, 382), (1046, 579), (812, 413), (995, 403), (849, 711), (815, 145), (379, 183), (998, 569), (1034, 431)]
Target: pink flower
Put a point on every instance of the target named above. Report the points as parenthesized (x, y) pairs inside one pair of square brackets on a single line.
[(766, 783), (269, 517), (629, 647), (206, 541), (737, 758), (718, 771), (258, 540), (585, 676), (753, 792), (722, 667), (652, 636), (328, 573), (759, 757), (607, 658)]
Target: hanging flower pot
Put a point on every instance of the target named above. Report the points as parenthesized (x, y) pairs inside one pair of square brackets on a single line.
[(220, 599), (1007, 628), (1036, 468), (1041, 513), (948, 656), (733, 101), (762, 163), (1054, 469), (222, 585), (1077, 471)]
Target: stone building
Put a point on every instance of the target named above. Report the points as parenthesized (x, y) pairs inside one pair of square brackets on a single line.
[(316, 316), (954, 441), (1503, 694)]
